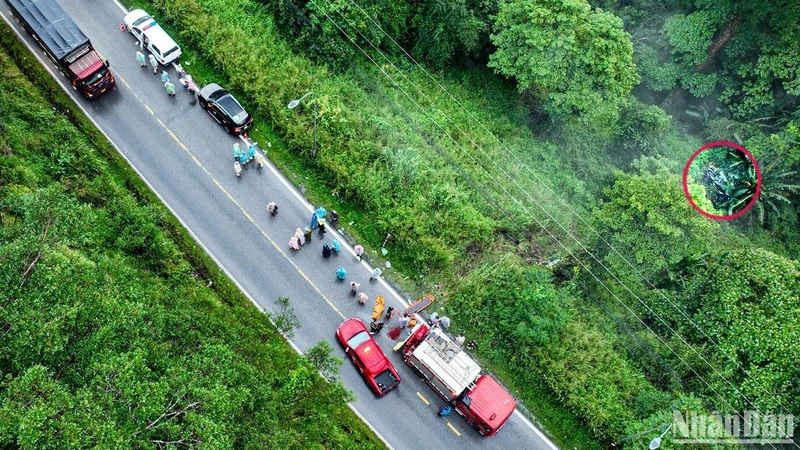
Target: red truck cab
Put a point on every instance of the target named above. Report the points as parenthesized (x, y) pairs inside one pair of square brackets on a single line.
[(487, 406), (457, 378), (90, 74)]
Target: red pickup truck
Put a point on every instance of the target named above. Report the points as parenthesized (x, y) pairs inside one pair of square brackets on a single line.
[(375, 367)]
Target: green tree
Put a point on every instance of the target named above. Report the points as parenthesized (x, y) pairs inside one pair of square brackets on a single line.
[(743, 52), (748, 301), (444, 28), (573, 58), (649, 222), (777, 188), (689, 38)]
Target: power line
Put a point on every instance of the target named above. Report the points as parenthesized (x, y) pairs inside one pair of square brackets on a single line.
[(649, 283), (540, 224)]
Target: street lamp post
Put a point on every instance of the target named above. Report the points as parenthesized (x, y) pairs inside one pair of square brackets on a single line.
[(293, 104), (654, 444)]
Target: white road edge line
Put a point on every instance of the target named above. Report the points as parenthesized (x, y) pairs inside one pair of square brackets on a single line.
[(297, 195), (191, 233)]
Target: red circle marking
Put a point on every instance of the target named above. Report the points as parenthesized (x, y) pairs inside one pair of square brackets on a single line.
[(685, 183)]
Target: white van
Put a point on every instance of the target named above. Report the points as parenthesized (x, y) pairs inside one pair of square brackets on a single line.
[(152, 36)]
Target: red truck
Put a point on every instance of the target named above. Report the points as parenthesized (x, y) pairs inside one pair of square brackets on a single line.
[(457, 378), (65, 44)]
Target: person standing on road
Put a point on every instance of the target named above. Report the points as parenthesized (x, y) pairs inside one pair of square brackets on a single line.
[(251, 151), (445, 410), (326, 251), (164, 76), (298, 233), (359, 250), (272, 208), (237, 168), (154, 63), (307, 235), (142, 60), (404, 320), (362, 298), (354, 288), (170, 88), (322, 227)]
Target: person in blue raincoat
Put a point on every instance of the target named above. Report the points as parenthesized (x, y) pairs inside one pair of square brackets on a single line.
[(237, 152), (251, 151), (314, 221), (341, 273), (336, 245), (243, 158)]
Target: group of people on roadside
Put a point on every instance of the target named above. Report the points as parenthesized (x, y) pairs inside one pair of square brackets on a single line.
[(169, 87), (243, 157)]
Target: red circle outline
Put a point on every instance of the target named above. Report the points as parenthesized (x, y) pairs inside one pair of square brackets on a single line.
[(685, 183)]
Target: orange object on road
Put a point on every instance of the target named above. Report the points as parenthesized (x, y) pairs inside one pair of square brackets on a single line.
[(377, 310), (419, 305)]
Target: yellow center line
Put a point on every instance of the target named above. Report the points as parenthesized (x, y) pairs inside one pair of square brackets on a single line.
[(123, 81), (423, 398), (246, 214), (454, 429)]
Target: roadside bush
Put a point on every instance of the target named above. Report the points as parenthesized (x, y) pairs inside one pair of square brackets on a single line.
[(526, 326)]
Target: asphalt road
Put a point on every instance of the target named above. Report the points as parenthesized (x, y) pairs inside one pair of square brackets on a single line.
[(186, 158)]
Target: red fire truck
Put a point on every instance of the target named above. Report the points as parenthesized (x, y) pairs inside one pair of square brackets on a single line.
[(481, 399)]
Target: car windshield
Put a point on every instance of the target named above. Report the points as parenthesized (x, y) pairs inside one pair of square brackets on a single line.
[(141, 20), (97, 76), (355, 341), (233, 108)]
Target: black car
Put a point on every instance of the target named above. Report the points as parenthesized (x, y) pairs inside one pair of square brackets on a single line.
[(225, 109)]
